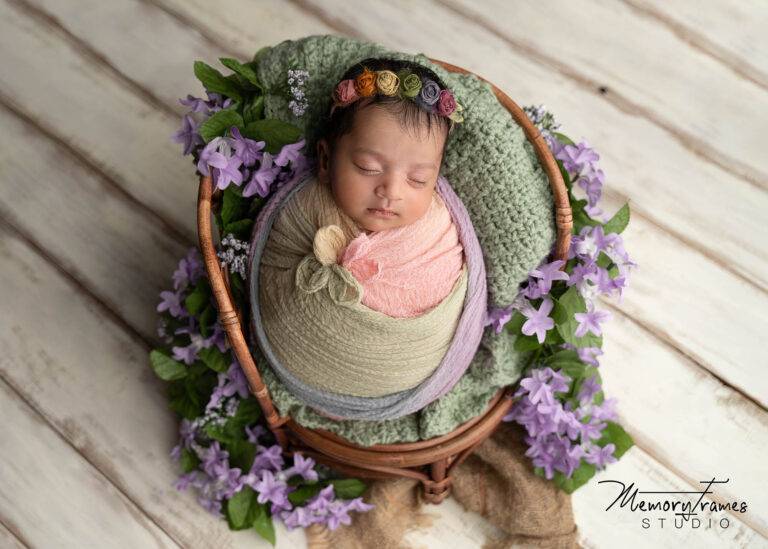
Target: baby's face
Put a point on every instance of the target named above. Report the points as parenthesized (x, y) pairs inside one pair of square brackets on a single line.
[(381, 174)]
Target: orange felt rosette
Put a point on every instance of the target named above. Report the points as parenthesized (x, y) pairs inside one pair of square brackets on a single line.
[(365, 83)]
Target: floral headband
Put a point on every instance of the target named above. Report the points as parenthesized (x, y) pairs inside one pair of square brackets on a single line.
[(425, 93)]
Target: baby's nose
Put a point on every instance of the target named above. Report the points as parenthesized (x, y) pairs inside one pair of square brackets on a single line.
[(390, 188)]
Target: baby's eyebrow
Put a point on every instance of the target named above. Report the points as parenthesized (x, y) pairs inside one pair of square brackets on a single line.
[(379, 155)]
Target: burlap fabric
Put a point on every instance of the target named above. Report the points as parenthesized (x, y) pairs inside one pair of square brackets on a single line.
[(496, 481)]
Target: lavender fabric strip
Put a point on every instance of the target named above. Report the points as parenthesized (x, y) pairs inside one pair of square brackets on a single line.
[(456, 360)]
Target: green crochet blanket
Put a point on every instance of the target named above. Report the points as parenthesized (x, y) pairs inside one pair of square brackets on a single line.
[(496, 173)]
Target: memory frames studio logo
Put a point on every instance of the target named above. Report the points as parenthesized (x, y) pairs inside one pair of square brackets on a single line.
[(676, 509)]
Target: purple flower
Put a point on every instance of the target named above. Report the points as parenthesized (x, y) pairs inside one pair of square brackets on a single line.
[(185, 480), (275, 491), (575, 157), (289, 153), (188, 135), (172, 302), (231, 382), (214, 459), (537, 387), (253, 433), (189, 270), (498, 317), (590, 321), (268, 458), (581, 271), (299, 517), (303, 466), (197, 104), (230, 173), (601, 456), (210, 157), (211, 505), (247, 150), (548, 273), (589, 389), (591, 431), (262, 178), (538, 321)]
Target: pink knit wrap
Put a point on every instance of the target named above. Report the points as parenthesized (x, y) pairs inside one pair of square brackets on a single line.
[(407, 270)]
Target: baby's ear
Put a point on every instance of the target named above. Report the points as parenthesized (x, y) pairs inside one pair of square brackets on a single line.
[(323, 161)]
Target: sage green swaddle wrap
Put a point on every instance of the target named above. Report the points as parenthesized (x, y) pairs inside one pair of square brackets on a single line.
[(312, 315)]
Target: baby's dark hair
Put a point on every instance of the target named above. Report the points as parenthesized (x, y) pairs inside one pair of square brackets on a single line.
[(408, 112)]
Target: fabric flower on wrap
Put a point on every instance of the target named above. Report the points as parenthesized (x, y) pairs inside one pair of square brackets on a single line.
[(410, 84), (387, 82), (365, 83), (429, 95)]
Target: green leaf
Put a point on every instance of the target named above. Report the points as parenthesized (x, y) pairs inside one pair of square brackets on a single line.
[(243, 70), (572, 303), (199, 297), (302, 494), (275, 133), (348, 488), (564, 356), (243, 509), (215, 82), (220, 123), (515, 323), (619, 221), (215, 359), (165, 367), (232, 205), (253, 109), (579, 478), (526, 343), (240, 229), (263, 525), (241, 453), (189, 460), (603, 260), (248, 412), (563, 138), (207, 318), (615, 433)]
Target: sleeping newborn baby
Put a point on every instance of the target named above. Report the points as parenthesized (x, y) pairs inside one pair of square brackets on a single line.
[(381, 239)]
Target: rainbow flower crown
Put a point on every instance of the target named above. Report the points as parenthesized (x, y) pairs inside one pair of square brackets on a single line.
[(426, 93)]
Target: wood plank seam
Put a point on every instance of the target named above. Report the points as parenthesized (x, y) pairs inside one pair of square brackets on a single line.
[(178, 233), (138, 510), (14, 531), (665, 341), (80, 286), (700, 42), (46, 19)]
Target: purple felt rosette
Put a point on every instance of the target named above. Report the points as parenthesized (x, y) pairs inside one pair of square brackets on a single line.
[(429, 95), (446, 104)]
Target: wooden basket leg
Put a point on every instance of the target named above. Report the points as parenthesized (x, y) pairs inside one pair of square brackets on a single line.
[(438, 487)]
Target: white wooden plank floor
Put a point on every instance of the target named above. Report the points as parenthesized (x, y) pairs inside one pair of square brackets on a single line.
[(97, 206)]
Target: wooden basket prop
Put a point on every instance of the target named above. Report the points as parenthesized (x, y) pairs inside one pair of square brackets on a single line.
[(430, 461)]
